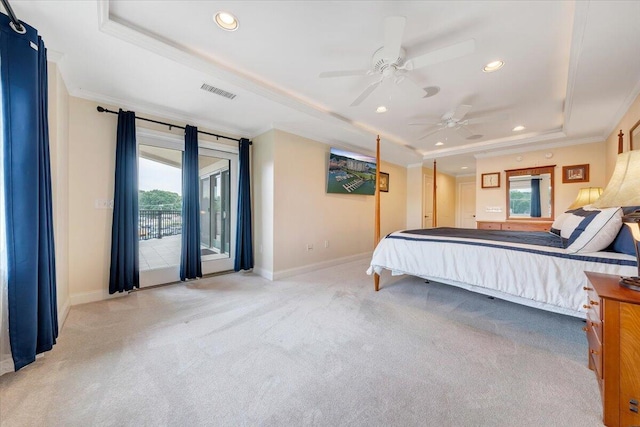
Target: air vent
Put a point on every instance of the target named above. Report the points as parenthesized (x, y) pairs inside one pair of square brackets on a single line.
[(217, 91)]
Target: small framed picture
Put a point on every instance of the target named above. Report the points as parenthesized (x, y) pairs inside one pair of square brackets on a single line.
[(575, 173), (383, 185), (490, 180)]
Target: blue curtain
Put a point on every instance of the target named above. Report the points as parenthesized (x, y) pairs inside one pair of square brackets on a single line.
[(536, 211), (244, 243), (190, 258), (33, 320), (124, 273)]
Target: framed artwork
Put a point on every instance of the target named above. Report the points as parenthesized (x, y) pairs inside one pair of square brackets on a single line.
[(634, 136), (575, 173), (384, 182), (490, 180)]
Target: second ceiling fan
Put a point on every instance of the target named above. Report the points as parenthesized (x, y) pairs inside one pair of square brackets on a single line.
[(390, 60)]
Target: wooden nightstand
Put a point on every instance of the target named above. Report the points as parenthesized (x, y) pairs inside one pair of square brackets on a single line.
[(613, 333)]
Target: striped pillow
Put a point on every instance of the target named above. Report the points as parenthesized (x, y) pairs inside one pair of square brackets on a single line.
[(591, 230)]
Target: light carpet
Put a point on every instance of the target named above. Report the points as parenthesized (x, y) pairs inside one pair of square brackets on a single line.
[(317, 349)]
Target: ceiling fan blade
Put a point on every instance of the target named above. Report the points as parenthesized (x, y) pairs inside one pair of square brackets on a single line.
[(486, 119), (460, 112), (344, 73), (393, 31), (430, 133), (432, 123), (366, 93), (464, 132), (445, 54)]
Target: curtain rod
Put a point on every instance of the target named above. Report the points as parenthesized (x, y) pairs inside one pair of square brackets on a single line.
[(18, 26), (104, 110)]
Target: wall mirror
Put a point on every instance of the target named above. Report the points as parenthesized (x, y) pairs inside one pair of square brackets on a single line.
[(530, 193)]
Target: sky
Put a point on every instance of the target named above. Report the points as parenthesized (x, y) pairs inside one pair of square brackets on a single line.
[(356, 156), (157, 176)]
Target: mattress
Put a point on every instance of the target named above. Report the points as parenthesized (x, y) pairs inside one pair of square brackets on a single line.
[(524, 267)]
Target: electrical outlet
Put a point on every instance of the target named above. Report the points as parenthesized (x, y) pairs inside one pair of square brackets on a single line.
[(310, 247), (101, 204)]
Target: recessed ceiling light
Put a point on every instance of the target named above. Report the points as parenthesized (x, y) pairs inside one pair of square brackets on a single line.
[(381, 109), (439, 143), (464, 167), (518, 128), (226, 21), (493, 66)]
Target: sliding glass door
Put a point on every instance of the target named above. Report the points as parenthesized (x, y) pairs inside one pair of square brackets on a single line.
[(160, 215)]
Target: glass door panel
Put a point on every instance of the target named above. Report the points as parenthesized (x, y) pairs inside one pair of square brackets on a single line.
[(205, 212), (160, 213), (217, 212), (221, 170)]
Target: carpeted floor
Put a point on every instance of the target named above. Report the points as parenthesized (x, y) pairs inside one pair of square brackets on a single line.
[(317, 349)]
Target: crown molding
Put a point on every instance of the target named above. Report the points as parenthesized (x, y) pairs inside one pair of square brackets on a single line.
[(622, 111), (495, 144), (550, 146)]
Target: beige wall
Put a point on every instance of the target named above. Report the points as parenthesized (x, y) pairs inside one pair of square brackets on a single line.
[(301, 212), (262, 193), (630, 118), (59, 153), (565, 194)]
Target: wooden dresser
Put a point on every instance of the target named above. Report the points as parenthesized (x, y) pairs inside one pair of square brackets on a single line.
[(613, 333), (515, 225)]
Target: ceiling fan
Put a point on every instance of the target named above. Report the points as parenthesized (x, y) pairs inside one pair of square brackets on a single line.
[(456, 120), (390, 60)]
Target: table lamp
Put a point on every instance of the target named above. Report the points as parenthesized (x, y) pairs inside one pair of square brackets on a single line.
[(586, 196), (624, 190)]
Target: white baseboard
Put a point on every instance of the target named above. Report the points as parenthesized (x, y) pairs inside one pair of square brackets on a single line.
[(267, 274), (87, 297), (63, 312), (317, 266)]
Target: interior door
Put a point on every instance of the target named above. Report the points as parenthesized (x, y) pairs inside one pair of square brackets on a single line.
[(427, 202), (467, 205)]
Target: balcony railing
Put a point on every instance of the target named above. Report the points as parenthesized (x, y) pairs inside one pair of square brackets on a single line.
[(155, 224)]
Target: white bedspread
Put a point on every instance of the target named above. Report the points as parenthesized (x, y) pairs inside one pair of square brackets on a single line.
[(546, 278)]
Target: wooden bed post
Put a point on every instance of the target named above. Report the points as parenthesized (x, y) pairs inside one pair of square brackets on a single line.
[(620, 142), (435, 198), (376, 227)]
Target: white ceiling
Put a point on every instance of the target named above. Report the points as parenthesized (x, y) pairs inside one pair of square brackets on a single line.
[(571, 68)]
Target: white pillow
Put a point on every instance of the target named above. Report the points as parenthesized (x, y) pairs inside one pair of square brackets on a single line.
[(591, 230), (557, 223)]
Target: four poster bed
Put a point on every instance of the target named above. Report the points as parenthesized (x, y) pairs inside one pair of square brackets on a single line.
[(534, 268)]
